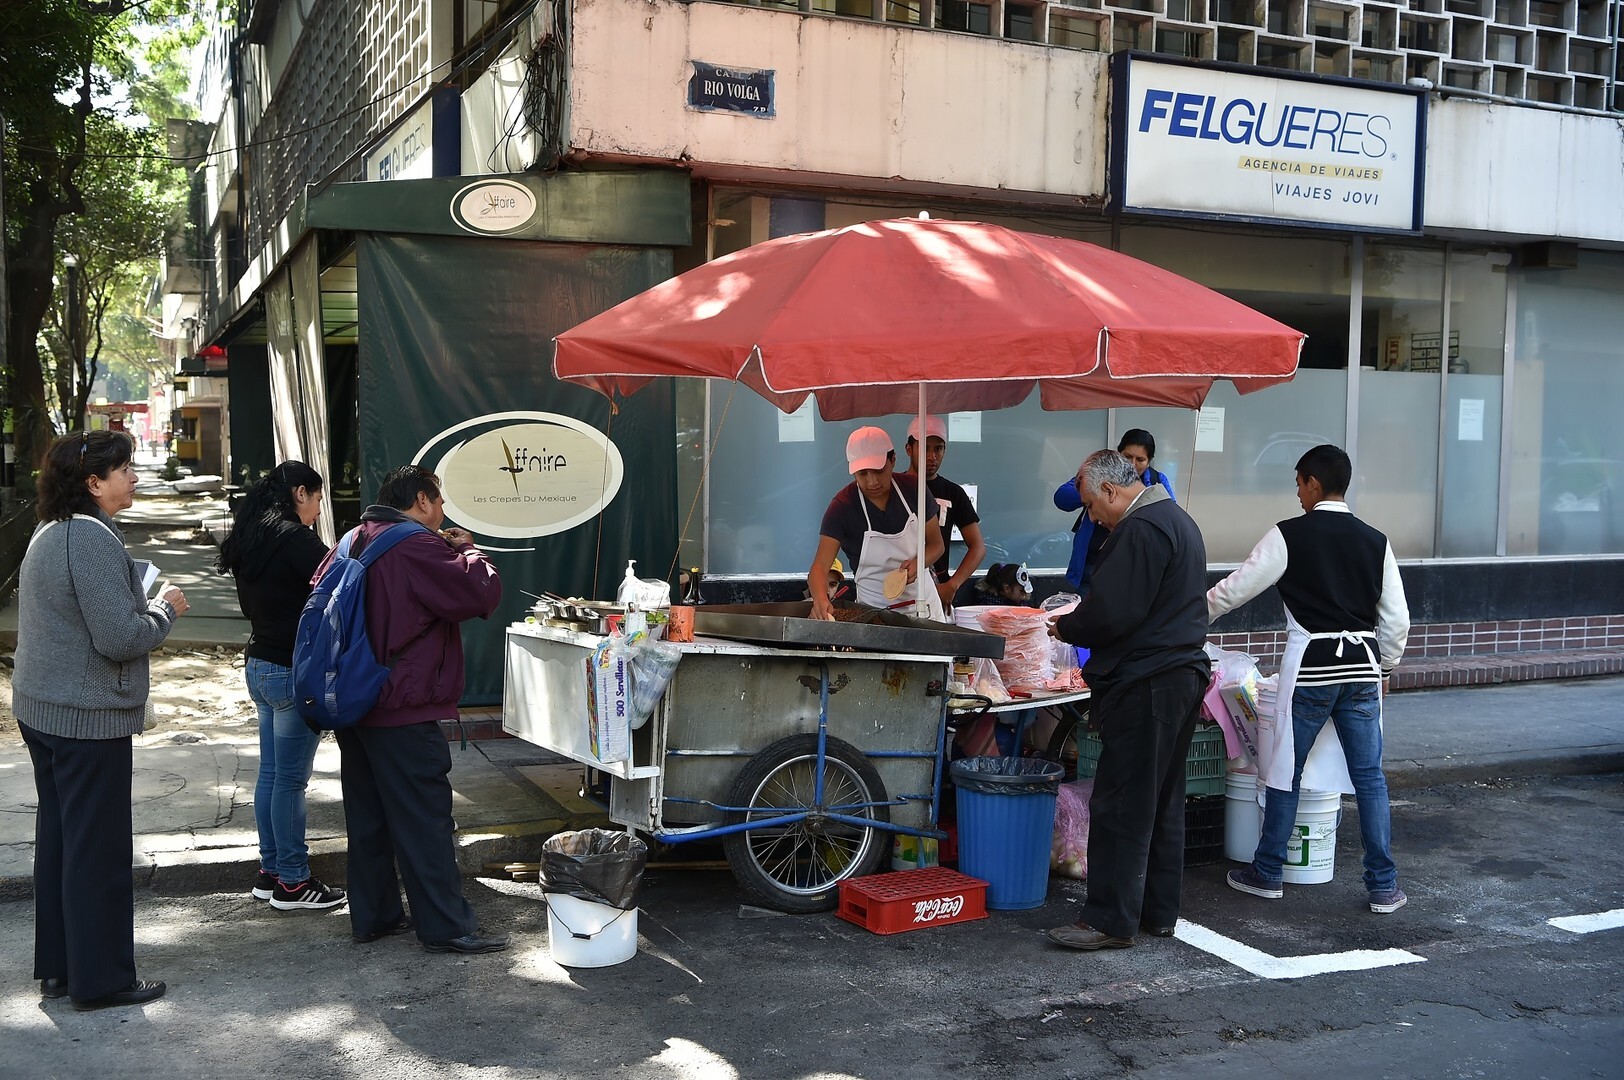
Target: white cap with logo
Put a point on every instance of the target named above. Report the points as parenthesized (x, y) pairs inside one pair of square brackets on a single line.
[(935, 428), (867, 448)]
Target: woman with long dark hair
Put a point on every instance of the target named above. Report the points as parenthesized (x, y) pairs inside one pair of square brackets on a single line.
[(273, 553), (84, 630)]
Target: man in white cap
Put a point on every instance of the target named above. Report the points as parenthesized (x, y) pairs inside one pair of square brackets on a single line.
[(874, 521), (953, 507)]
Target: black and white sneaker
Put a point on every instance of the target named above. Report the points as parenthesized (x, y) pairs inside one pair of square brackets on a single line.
[(306, 895), (264, 885)]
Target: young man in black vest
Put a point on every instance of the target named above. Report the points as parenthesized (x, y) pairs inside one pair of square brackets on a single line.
[(1346, 625), (1145, 624)]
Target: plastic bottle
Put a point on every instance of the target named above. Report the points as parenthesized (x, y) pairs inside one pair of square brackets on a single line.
[(628, 584)]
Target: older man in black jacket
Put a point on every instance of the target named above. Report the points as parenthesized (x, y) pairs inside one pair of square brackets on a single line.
[(1145, 624)]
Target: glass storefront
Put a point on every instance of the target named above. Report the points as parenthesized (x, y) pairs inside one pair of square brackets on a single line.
[(1566, 491), (1428, 392)]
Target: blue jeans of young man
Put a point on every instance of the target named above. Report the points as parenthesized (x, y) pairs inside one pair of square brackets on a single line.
[(1355, 709), (287, 752)]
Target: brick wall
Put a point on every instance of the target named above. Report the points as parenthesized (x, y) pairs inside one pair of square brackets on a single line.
[(1435, 640)]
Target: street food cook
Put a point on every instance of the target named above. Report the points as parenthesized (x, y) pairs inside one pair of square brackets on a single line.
[(874, 520), (953, 507)]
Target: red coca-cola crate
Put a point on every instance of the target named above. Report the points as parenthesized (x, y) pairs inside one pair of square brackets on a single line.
[(912, 900)]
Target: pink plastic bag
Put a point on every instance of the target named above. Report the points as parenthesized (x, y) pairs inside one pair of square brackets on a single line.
[(1068, 854)]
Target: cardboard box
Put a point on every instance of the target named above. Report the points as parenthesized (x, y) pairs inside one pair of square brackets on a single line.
[(608, 695)]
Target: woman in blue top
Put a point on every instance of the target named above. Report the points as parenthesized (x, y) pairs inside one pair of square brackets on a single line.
[(1139, 447)]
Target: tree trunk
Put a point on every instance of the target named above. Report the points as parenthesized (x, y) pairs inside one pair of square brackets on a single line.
[(28, 274)]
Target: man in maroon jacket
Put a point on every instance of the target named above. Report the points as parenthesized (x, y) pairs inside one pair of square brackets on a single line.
[(397, 795)]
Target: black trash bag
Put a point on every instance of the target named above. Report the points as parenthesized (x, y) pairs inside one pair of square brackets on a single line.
[(600, 866), (1007, 775)]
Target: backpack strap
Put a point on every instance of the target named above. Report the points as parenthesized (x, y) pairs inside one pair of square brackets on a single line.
[(379, 544)]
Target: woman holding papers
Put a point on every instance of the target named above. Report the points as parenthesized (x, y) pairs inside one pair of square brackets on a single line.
[(84, 630)]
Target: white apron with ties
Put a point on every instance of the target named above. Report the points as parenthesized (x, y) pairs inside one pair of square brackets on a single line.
[(1326, 768), (885, 552)]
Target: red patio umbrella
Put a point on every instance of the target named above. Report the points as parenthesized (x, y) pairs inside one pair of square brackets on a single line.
[(891, 316), (980, 314)]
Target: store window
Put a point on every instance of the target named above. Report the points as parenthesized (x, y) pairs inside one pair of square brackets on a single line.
[(1239, 480), (1395, 467), (1567, 441), (1470, 501)]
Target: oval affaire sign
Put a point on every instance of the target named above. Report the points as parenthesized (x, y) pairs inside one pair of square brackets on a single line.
[(517, 474), (493, 206)]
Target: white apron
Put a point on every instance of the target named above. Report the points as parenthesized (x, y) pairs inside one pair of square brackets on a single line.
[(1326, 768), (885, 552)]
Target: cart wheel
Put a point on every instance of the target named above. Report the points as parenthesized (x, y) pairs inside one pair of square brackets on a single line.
[(1072, 728), (796, 868)]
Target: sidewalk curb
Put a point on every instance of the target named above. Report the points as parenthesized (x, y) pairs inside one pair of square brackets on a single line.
[(1410, 775), (222, 870)]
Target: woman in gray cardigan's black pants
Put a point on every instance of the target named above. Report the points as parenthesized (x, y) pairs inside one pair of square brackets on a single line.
[(84, 629)]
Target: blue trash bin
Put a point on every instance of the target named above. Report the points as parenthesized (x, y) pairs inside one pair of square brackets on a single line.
[(1006, 826)]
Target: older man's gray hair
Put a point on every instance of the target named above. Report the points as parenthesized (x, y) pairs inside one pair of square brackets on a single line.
[(1105, 467)]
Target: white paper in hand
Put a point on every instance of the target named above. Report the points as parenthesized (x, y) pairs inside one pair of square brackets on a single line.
[(149, 574)]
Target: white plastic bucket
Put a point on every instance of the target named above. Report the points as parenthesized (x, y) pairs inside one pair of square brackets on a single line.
[(1243, 817), (1311, 850), (587, 935), (969, 617), (1311, 847)]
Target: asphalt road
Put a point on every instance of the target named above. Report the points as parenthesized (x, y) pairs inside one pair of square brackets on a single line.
[(1488, 987)]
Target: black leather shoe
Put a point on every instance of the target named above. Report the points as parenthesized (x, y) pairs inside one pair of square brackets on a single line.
[(53, 988), (400, 926), (469, 943), (1085, 937), (1156, 931), (139, 992)]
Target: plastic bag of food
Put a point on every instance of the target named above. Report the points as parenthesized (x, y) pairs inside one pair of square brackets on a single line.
[(653, 663), (988, 683), (1026, 664), (1068, 854)]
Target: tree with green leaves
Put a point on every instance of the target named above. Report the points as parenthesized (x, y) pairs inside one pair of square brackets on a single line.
[(84, 90)]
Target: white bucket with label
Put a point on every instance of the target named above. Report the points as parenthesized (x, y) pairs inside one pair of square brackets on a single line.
[(1243, 817), (1311, 847), (587, 935), (1311, 850)]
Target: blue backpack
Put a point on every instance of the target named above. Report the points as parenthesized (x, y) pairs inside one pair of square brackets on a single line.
[(336, 676)]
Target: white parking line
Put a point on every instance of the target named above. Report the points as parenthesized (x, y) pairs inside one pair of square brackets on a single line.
[(1265, 966), (1589, 924)]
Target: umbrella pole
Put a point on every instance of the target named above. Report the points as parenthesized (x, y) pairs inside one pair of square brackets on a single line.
[(921, 608)]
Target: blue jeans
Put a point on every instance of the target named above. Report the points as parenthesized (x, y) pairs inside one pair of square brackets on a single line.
[(287, 752), (1355, 709)]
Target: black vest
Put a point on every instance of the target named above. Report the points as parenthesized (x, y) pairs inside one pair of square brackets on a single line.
[(1333, 578)]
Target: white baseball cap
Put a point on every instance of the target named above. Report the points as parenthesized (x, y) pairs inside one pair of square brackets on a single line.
[(867, 448), (934, 428)]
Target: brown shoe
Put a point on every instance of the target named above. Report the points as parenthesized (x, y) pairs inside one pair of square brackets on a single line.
[(1085, 937)]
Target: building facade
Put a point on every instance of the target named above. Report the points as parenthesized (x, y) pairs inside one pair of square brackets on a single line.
[(1463, 297)]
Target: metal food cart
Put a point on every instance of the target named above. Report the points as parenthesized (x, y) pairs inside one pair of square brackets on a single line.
[(803, 745)]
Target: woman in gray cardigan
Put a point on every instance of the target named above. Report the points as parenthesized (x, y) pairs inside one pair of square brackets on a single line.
[(84, 629)]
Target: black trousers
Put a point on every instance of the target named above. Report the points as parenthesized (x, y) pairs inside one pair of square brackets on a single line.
[(84, 892), (397, 808), (1136, 814)]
